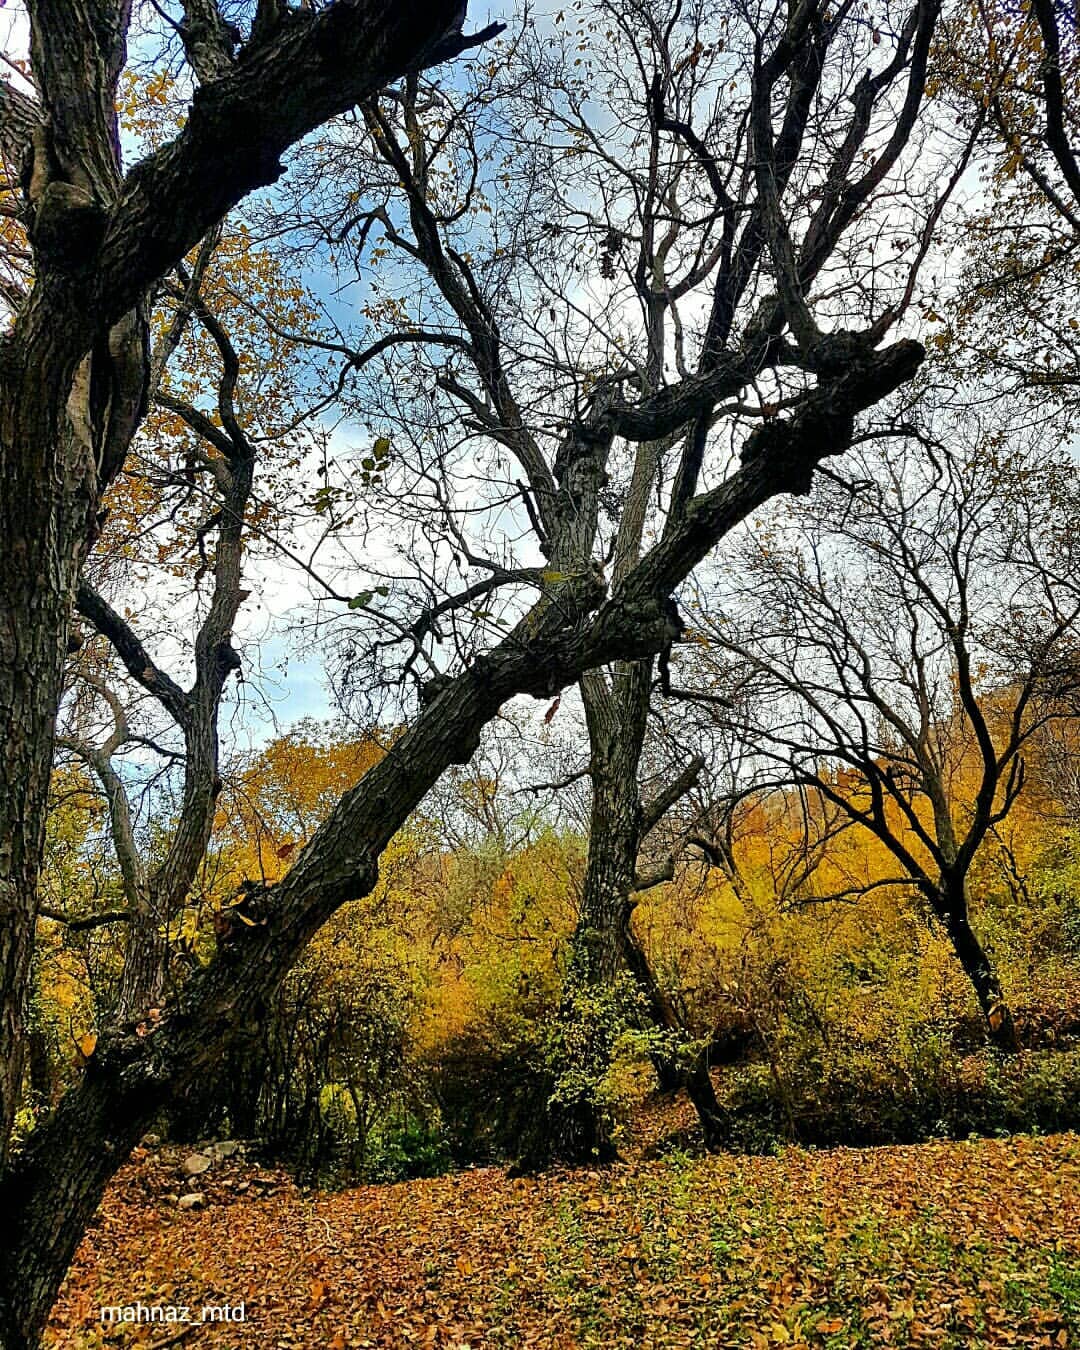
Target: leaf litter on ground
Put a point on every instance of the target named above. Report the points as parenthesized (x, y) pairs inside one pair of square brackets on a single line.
[(965, 1245)]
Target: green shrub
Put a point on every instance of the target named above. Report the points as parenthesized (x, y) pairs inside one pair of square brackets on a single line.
[(940, 1094), (412, 1147)]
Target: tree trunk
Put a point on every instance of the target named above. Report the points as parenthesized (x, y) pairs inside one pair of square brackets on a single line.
[(576, 1129), (33, 627), (699, 1089), (40, 1070), (1001, 1029), (603, 940), (53, 1190), (44, 528), (146, 957), (616, 718), (696, 1077)]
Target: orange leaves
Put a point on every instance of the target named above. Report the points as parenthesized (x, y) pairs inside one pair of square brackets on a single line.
[(808, 1251)]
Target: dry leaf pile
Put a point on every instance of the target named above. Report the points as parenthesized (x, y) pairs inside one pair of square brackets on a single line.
[(964, 1245)]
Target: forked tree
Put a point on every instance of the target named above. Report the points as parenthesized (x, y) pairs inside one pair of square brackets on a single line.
[(74, 373), (684, 182)]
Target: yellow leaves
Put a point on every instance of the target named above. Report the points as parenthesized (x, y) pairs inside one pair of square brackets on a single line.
[(87, 1044), (151, 109), (272, 805), (158, 88)]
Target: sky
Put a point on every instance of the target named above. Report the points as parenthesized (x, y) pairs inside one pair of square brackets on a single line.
[(285, 683), (286, 680)]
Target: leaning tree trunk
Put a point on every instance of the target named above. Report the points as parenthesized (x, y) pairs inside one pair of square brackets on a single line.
[(952, 909), (48, 1211)]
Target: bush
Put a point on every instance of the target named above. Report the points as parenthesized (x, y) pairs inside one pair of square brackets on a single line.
[(940, 1093), (538, 1085), (400, 1151)]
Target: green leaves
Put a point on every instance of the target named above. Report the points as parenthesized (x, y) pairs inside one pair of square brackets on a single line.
[(374, 465), (324, 499), (364, 598)]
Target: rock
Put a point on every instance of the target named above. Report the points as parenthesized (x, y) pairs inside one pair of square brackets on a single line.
[(225, 1148), (151, 1141), (194, 1164), (193, 1200)]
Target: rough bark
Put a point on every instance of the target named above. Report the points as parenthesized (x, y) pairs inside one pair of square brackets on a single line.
[(616, 722), (74, 367), (44, 525)]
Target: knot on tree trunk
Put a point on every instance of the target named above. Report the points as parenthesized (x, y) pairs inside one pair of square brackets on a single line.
[(67, 226), (65, 221)]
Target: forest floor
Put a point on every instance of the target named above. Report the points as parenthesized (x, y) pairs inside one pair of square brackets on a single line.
[(945, 1245)]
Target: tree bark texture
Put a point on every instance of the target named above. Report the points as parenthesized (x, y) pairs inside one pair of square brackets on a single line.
[(615, 714)]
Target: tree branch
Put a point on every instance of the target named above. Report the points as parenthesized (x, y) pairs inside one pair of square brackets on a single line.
[(137, 660)]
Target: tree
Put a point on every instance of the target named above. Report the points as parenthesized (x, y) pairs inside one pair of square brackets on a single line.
[(184, 503), (73, 386), (1012, 74), (681, 250), (903, 639), (75, 362)]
